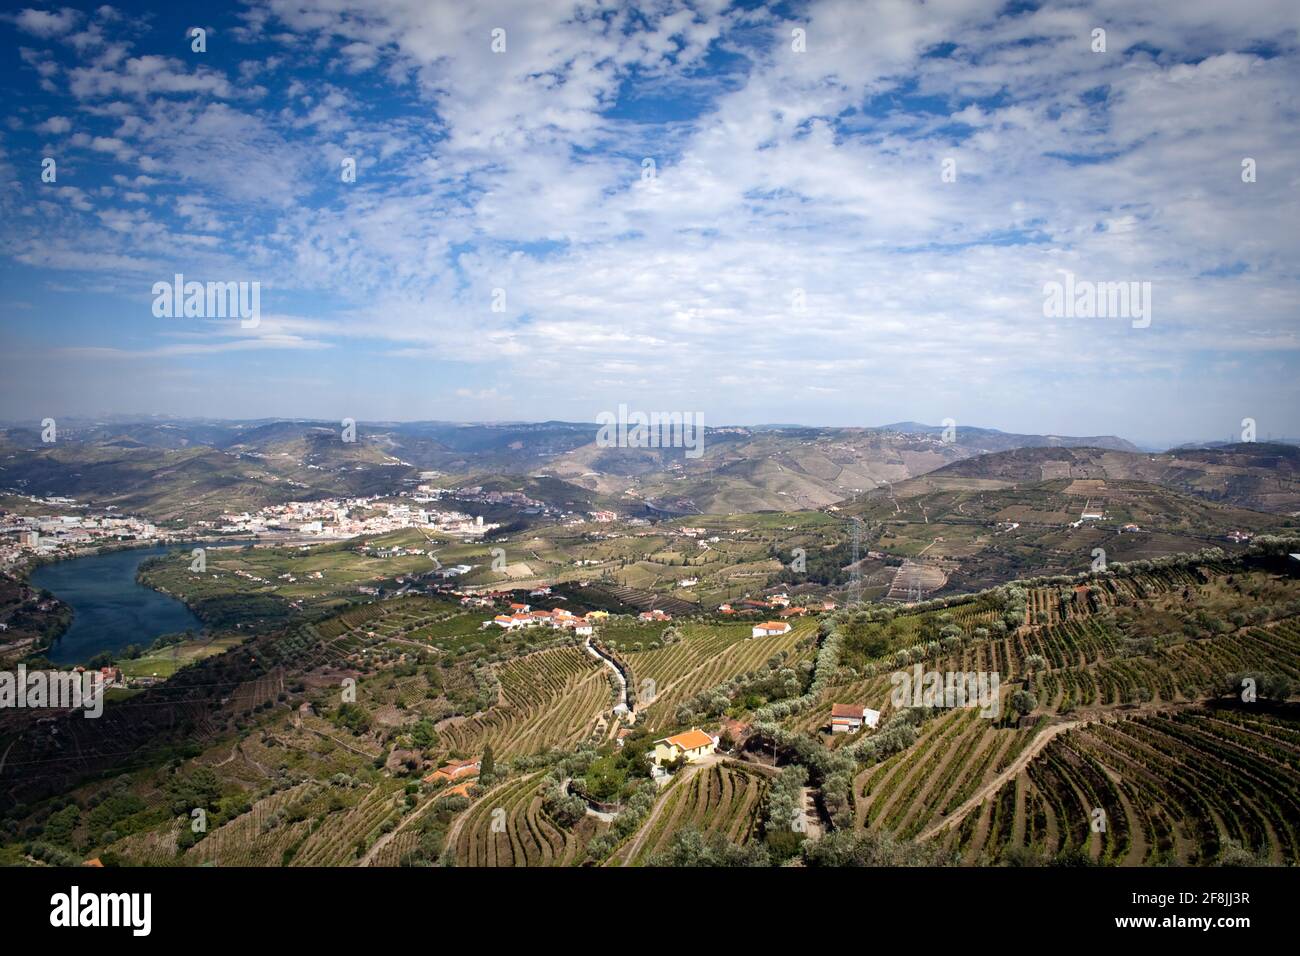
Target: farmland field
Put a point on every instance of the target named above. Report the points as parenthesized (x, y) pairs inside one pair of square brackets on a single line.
[(1173, 788)]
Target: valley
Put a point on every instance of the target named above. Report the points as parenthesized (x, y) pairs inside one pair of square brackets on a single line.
[(388, 680)]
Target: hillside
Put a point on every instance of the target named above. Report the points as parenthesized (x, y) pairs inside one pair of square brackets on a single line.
[(958, 534), (173, 468), (779, 469), (1118, 691), (1258, 476)]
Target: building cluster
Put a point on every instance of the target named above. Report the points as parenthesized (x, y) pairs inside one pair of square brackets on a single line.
[(780, 603), (23, 536), (349, 517), (515, 499), (560, 619)]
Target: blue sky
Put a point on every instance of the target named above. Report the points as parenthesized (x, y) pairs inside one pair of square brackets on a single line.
[(779, 176)]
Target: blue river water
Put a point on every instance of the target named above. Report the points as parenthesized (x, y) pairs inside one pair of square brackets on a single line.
[(109, 608)]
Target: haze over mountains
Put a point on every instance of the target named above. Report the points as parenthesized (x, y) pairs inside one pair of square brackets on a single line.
[(167, 468)]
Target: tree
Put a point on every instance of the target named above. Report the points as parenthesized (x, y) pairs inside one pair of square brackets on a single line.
[(424, 735), (1033, 664), (487, 765), (1023, 702)]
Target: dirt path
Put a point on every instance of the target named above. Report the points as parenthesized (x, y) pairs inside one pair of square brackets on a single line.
[(458, 824), (996, 784), (387, 838), (686, 774), (812, 824), (233, 751)]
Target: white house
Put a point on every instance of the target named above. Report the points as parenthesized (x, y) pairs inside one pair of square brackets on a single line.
[(770, 628), (849, 718)]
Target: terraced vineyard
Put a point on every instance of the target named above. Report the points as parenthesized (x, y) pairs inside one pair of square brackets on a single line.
[(1046, 605), (550, 698), (510, 827), (723, 798), (956, 755), (335, 841), (1186, 671), (1116, 737), (706, 656), (1166, 788)]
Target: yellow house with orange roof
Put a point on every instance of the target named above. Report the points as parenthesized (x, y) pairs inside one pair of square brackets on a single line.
[(694, 745)]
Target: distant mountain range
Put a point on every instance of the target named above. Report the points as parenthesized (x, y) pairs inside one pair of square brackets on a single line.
[(174, 467)]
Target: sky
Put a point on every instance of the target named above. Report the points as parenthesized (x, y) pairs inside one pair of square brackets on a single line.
[(828, 213)]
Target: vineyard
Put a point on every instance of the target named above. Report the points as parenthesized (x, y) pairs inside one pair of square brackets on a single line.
[(1122, 736), (1049, 605), (1146, 775), (510, 827), (1150, 790), (548, 699), (1184, 672), (721, 798), (310, 824), (957, 754), (706, 656)]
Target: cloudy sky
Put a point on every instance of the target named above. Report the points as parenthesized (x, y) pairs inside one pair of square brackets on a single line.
[(838, 212)]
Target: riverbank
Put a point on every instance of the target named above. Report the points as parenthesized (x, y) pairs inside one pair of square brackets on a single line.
[(111, 610)]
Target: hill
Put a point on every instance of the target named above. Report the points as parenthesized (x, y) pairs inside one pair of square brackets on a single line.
[(1258, 476), (779, 469)]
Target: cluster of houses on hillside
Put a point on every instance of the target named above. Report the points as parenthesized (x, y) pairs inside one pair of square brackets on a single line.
[(350, 517), (780, 603), (24, 536), (521, 615)]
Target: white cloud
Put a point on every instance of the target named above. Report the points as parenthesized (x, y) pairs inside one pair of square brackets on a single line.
[(55, 125), (45, 23), (817, 172)]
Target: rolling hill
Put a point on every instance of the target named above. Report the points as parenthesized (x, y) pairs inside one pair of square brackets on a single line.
[(1257, 476)]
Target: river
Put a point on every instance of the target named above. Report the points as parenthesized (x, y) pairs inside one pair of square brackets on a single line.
[(109, 608)]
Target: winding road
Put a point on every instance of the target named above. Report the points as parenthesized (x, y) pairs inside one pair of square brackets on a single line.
[(609, 662)]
